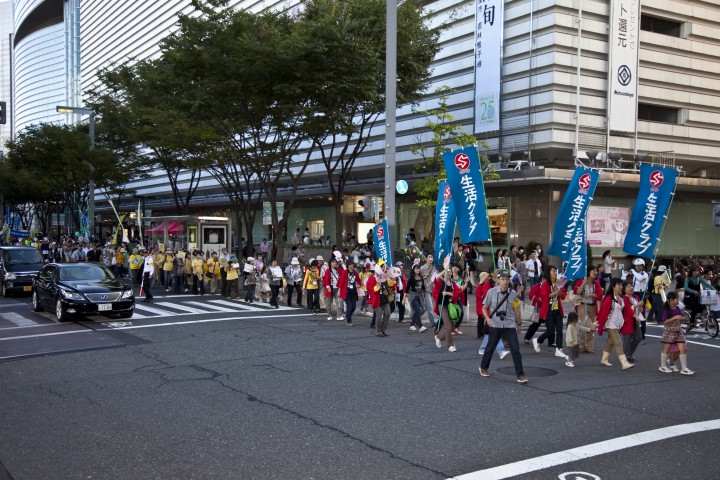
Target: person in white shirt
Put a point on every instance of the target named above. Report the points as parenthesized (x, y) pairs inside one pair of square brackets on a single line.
[(533, 269), (148, 272), (294, 274)]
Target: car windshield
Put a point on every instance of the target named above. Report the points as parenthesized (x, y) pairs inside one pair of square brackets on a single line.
[(23, 257), (85, 273)]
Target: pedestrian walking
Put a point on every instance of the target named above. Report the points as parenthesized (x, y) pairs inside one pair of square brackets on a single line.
[(294, 275), (572, 335), (349, 285), (198, 272), (630, 332), (232, 278), (428, 272), (501, 311), (251, 279), (589, 292), (551, 295), (311, 287), (148, 272), (673, 334), (610, 319), (276, 279), (416, 287), (447, 294), (379, 289)]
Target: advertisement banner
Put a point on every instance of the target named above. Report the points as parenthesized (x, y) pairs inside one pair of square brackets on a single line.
[(657, 187), (573, 210), (381, 240), (445, 221), (623, 68), (606, 226), (488, 49), (464, 177)]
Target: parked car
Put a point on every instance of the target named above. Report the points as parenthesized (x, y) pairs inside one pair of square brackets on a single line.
[(18, 266), (80, 289)]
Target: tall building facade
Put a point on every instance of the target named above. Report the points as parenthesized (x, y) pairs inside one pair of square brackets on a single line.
[(6, 34), (552, 68)]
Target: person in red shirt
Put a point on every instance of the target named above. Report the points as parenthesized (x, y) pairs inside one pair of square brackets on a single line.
[(379, 288), (551, 310), (484, 285), (348, 287)]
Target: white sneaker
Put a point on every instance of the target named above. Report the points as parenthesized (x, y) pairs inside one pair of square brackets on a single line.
[(423, 328), (329, 317), (674, 368), (686, 371), (413, 328), (438, 343), (504, 354), (481, 352), (568, 363), (452, 348), (559, 353), (341, 319), (665, 369), (535, 345)]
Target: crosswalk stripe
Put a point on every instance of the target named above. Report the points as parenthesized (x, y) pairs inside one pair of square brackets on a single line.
[(216, 308), (17, 319), (181, 307), (239, 306), (157, 311)]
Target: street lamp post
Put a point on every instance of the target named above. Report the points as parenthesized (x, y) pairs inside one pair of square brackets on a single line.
[(91, 194)]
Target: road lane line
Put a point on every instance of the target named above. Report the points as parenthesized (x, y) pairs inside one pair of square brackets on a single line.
[(180, 306), (688, 341), (190, 322), (54, 334), (600, 448)]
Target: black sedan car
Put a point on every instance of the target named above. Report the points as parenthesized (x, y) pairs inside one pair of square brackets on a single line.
[(18, 266), (79, 289)]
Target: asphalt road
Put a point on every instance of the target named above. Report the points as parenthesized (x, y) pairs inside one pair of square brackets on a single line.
[(201, 389)]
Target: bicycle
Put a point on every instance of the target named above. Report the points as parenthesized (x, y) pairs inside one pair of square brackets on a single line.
[(704, 319)]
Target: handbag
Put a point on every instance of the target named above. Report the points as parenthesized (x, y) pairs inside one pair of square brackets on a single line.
[(529, 313), (454, 311)]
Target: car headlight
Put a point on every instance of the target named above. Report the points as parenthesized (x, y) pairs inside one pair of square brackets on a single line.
[(127, 294), (10, 276), (71, 295)]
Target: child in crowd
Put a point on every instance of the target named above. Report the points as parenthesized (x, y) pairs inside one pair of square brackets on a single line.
[(673, 334), (264, 285), (572, 334)]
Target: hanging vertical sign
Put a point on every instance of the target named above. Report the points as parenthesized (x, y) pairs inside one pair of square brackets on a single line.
[(577, 255), (466, 184), (381, 240), (488, 59), (657, 187), (571, 215), (623, 68), (445, 220)]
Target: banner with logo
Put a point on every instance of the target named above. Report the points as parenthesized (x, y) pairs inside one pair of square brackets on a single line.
[(381, 240), (576, 266), (445, 221), (488, 48), (573, 210), (464, 177), (657, 188), (624, 48)]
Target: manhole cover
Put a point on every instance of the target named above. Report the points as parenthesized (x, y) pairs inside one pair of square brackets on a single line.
[(529, 371)]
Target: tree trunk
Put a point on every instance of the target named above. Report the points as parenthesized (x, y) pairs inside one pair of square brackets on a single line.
[(339, 240)]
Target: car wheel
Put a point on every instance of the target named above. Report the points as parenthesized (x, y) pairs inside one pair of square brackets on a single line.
[(36, 305), (126, 315), (3, 291), (59, 313)]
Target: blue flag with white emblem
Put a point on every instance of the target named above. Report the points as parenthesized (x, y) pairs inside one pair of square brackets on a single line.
[(657, 187), (464, 177), (445, 220), (569, 229), (381, 240)]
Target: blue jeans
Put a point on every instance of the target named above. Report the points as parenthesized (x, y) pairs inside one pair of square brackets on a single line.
[(350, 305), (500, 346), (429, 307), (496, 335)]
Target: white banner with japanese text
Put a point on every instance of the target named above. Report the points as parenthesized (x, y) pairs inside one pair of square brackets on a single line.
[(488, 61), (623, 68)]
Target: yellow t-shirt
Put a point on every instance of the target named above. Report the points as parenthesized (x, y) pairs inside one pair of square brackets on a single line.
[(197, 266), (169, 259), (213, 266), (232, 273), (312, 280)]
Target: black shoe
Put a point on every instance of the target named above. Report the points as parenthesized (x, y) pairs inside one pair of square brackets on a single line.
[(147, 300)]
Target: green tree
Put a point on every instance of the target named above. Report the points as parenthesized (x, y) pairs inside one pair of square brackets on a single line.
[(345, 64)]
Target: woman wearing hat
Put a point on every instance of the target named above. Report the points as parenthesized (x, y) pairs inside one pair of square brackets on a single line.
[(251, 279), (276, 278), (232, 278), (379, 288), (294, 275), (402, 290), (168, 264), (311, 285), (349, 285), (331, 290)]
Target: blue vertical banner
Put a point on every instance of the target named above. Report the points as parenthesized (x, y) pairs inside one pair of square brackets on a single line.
[(445, 221), (572, 213), (657, 188), (464, 177), (381, 240), (8, 222), (577, 255)]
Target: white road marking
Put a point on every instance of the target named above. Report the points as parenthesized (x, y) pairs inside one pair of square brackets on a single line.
[(54, 334), (216, 308), (211, 320), (600, 448), (157, 311), (180, 306), (17, 319), (688, 341), (239, 306)]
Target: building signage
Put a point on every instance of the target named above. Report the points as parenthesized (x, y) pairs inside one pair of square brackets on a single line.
[(488, 60), (606, 226), (623, 67)]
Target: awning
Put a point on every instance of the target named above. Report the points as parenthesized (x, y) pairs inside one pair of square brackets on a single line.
[(173, 228)]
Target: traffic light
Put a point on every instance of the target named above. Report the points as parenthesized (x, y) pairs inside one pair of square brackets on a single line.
[(3, 115), (368, 211)]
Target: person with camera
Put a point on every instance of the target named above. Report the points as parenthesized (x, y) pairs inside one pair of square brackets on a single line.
[(501, 311)]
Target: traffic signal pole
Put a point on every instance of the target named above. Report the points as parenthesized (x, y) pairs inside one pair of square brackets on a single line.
[(390, 114)]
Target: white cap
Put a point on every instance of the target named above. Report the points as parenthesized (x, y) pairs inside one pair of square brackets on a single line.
[(294, 261), (249, 259), (639, 261), (320, 258)]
